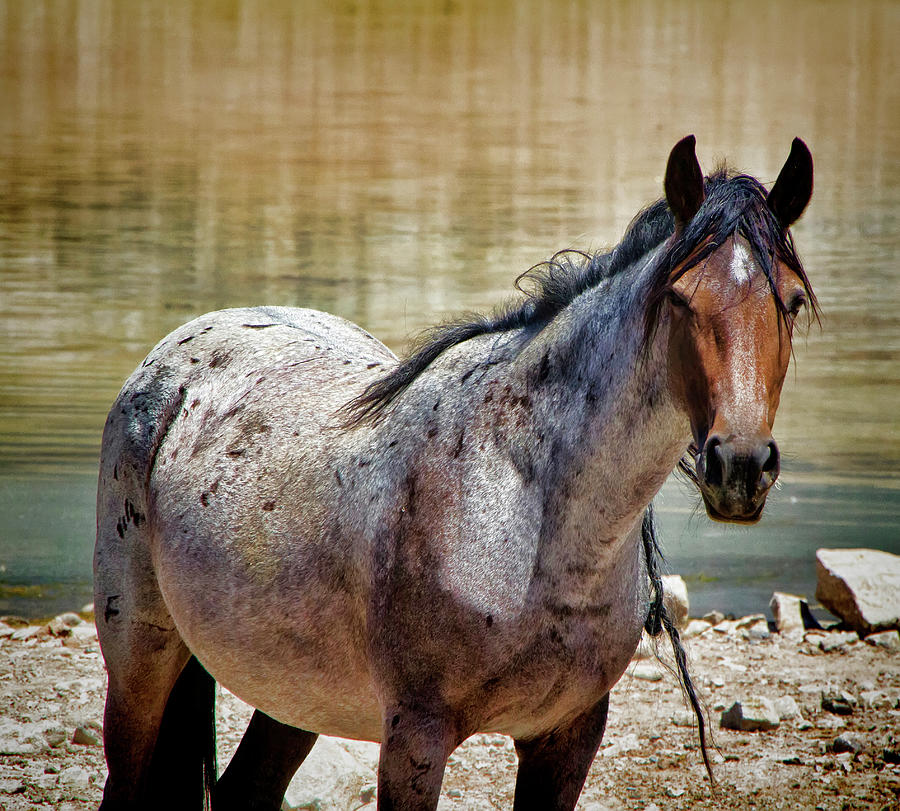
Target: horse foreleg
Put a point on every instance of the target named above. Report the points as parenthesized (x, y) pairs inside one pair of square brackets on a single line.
[(415, 746), (262, 767), (553, 768)]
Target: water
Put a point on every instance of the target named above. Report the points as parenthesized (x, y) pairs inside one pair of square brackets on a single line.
[(397, 163)]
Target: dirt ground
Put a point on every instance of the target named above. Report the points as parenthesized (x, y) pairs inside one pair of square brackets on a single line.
[(845, 697)]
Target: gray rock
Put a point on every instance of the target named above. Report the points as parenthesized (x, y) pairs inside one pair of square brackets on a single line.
[(675, 599), (787, 613), (889, 640), (87, 735), (839, 703), (750, 715), (848, 742), (55, 736), (713, 617), (63, 624), (75, 782), (11, 786), (860, 586)]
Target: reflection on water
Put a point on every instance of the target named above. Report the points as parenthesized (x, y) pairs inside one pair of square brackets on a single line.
[(395, 163)]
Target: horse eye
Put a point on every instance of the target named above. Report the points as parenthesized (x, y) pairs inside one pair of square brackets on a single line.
[(798, 302), (677, 299)]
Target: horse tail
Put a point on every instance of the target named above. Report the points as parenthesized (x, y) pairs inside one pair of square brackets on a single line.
[(658, 620), (184, 759)]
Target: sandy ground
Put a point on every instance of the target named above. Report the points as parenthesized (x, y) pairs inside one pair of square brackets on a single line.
[(52, 689)]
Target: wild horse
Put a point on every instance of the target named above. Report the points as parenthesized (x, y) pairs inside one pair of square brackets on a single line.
[(412, 551)]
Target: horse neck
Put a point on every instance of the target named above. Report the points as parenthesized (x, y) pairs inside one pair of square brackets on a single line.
[(610, 429)]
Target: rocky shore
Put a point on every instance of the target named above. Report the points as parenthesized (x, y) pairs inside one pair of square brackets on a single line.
[(801, 717)]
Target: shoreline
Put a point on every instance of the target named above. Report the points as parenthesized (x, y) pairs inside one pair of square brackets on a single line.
[(819, 727)]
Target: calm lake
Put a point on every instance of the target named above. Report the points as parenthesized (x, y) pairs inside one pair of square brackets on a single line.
[(400, 162)]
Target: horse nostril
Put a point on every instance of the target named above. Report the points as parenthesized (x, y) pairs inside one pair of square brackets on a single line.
[(771, 461), (712, 463)]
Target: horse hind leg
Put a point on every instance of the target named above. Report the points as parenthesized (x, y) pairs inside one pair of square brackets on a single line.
[(553, 768), (157, 728), (158, 731), (262, 767)]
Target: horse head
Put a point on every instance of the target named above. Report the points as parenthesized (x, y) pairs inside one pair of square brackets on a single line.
[(732, 313)]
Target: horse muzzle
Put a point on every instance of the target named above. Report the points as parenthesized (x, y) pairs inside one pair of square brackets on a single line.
[(735, 475)]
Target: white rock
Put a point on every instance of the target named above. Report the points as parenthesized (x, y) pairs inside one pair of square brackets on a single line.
[(28, 632), (684, 718), (646, 648), (622, 743), (646, 671), (861, 587), (334, 775), (787, 708), (17, 738), (787, 612), (695, 628), (675, 599), (754, 713), (836, 640), (875, 700)]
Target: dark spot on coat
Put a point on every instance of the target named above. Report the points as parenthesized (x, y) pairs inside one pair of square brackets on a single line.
[(435, 406), (236, 451), (204, 498), (489, 620), (186, 340), (337, 476), (364, 463), (116, 472), (432, 432), (214, 487), (219, 360), (371, 365), (195, 360), (394, 721), (258, 326), (268, 506), (110, 610), (195, 403), (459, 443), (543, 370), (411, 494)]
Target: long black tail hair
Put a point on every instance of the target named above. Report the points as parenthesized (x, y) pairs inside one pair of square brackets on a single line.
[(658, 620)]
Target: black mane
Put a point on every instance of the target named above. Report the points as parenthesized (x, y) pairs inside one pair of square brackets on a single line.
[(734, 203)]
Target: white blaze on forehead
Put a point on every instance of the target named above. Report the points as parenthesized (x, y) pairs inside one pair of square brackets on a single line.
[(741, 264)]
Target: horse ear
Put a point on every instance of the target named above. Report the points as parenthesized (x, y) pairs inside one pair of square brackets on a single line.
[(794, 186), (684, 182)]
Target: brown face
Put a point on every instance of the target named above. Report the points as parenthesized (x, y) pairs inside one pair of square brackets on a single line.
[(729, 349)]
